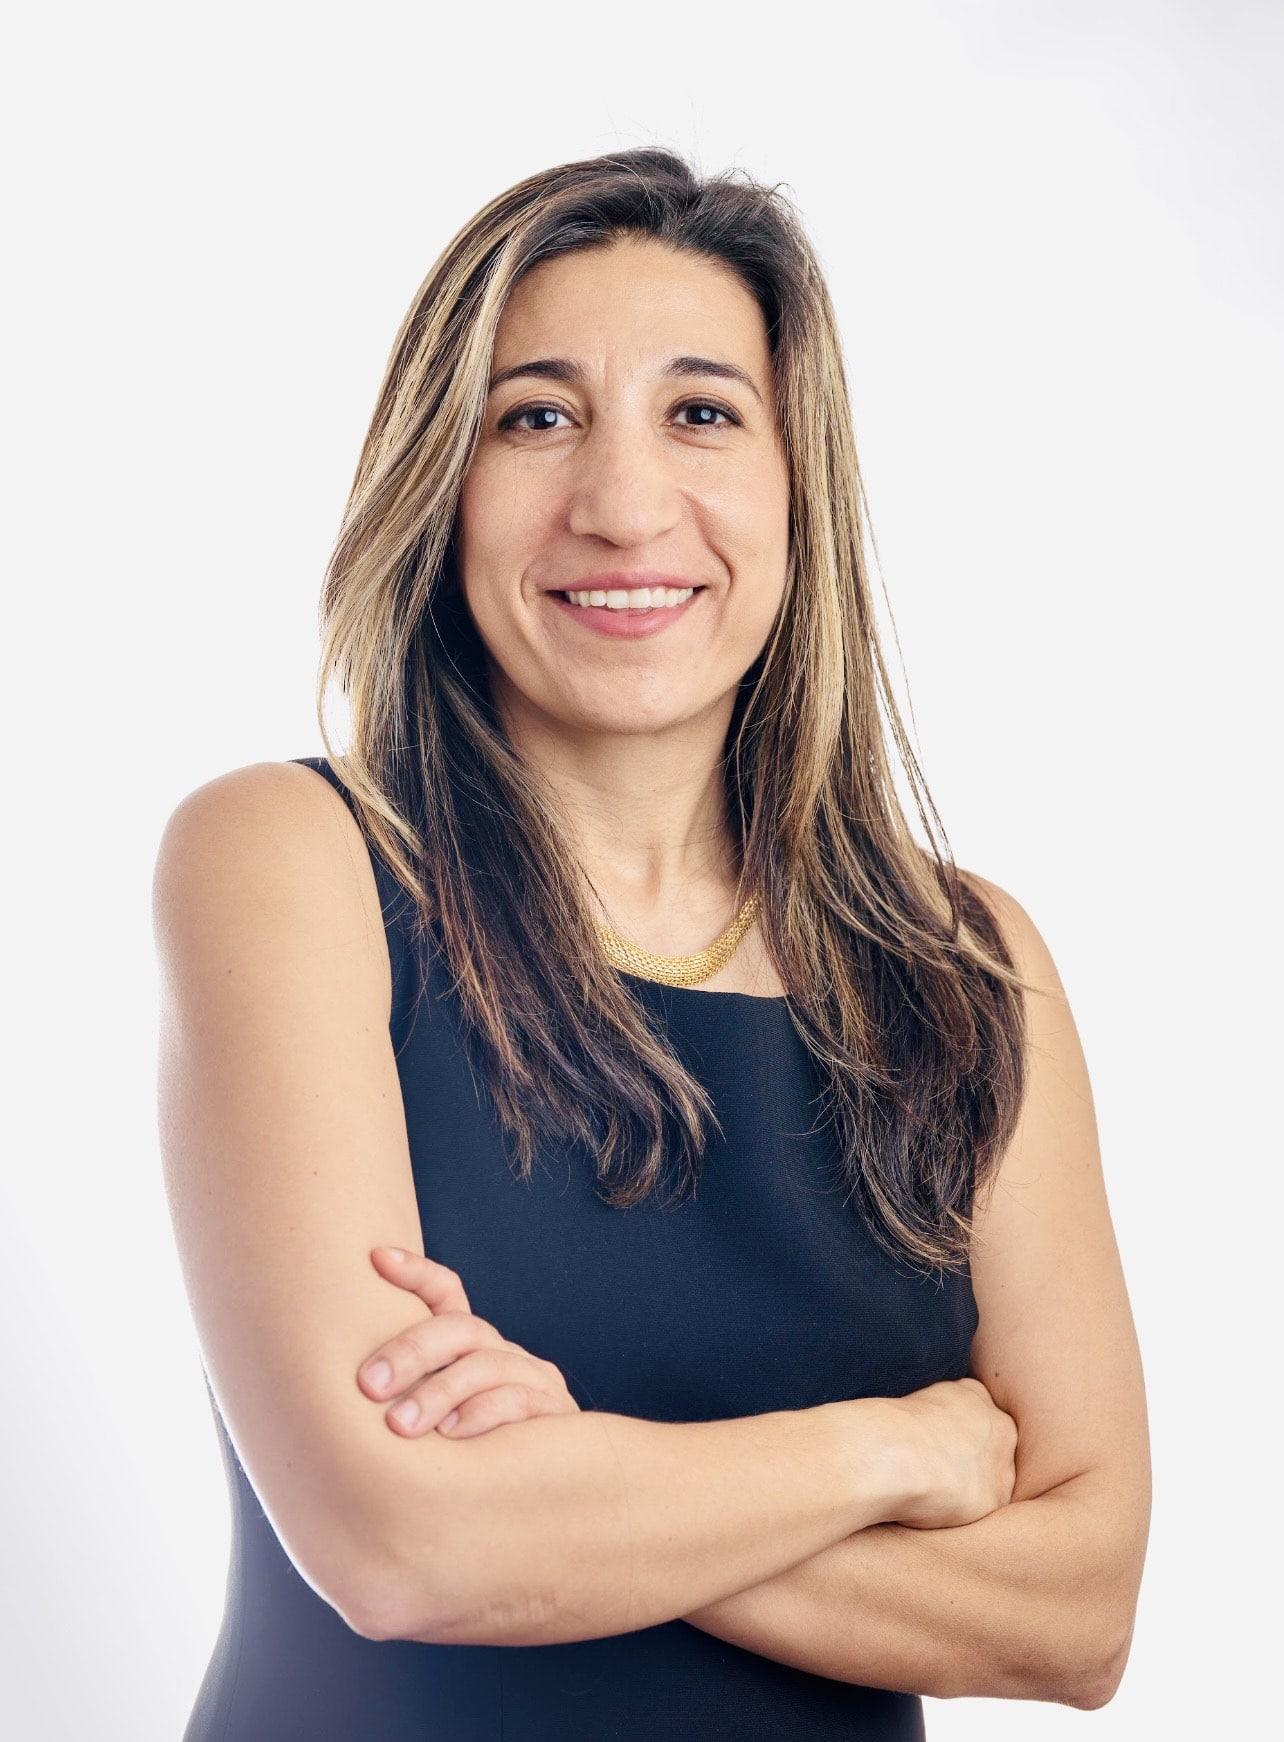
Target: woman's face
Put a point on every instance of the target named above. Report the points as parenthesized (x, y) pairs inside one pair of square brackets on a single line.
[(635, 438)]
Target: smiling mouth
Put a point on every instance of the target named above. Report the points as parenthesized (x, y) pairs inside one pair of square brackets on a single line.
[(686, 593)]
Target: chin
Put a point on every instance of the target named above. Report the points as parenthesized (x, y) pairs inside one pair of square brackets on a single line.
[(616, 720)]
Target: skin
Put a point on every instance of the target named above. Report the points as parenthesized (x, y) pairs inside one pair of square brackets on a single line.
[(454, 1360), (632, 473)]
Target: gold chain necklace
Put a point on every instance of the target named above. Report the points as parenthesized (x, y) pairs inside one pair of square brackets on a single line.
[(679, 970)]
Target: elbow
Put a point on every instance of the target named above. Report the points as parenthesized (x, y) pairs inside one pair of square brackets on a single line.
[(348, 1566), (385, 1611), (366, 1599), (1099, 1681), (409, 1533), (1074, 1656), (1091, 1690), (1096, 1645), (1091, 1680), (380, 1608), (394, 1596), (371, 1612), (386, 1603), (340, 1577), (362, 1602)]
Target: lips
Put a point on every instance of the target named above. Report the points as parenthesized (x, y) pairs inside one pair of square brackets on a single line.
[(626, 581), (593, 587), (625, 624)]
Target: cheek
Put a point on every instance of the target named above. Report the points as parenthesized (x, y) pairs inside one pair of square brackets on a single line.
[(759, 509), (754, 621), (760, 545), (488, 554)]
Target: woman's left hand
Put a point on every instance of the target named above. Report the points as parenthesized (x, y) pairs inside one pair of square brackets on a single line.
[(455, 1362)]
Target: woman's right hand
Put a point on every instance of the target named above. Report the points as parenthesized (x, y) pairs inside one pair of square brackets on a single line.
[(963, 1449)]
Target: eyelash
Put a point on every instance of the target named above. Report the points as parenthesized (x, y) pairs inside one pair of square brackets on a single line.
[(510, 418)]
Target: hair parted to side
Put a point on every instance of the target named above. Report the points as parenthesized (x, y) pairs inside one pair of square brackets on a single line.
[(898, 977)]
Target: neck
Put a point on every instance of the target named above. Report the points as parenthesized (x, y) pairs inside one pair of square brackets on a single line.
[(646, 816)]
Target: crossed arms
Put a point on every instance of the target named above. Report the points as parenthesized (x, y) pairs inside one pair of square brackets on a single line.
[(277, 1073)]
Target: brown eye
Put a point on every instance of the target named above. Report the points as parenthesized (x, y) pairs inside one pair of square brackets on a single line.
[(511, 419), (707, 405)]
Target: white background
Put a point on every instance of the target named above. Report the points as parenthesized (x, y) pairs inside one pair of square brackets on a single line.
[(1052, 235)]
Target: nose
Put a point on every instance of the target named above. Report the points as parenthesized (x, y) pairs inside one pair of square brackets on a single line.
[(623, 487)]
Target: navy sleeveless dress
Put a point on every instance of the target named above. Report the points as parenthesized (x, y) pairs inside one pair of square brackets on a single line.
[(763, 1292)]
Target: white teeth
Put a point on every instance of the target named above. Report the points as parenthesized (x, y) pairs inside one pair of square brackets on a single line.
[(637, 599)]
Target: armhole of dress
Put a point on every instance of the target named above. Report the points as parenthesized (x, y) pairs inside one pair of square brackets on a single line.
[(397, 906)]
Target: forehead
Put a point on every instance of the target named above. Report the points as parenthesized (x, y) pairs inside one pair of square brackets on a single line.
[(634, 302)]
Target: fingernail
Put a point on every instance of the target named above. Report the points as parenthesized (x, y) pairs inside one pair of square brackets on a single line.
[(407, 1412), (451, 1419), (397, 1253), (378, 1374)]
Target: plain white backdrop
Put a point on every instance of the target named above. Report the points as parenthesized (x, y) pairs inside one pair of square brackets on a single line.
[(1052, 235)]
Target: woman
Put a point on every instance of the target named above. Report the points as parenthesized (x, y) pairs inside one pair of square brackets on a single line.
[(758, 1295)]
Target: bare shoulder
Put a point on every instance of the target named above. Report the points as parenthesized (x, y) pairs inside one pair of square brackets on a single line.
[(1030, 954), (1058, 1096), (273, 841), (1058, 1090), (264, 812)]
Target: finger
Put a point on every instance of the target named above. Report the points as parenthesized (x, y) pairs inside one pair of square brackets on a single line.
[(502, 1403), (438, 1287), (422, 1349), (426, 1403)]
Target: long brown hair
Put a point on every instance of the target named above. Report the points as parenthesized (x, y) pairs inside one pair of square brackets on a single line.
[(897, 975)]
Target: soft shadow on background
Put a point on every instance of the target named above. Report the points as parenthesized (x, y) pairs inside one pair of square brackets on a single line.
[(1052, 237)]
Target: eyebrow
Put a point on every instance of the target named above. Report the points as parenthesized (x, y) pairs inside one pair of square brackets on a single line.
[(566, 369)]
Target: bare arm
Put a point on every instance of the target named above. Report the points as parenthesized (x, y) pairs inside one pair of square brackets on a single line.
[(1018, 1605), (577, 1526), (1036, 1600), (284, 1147)]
